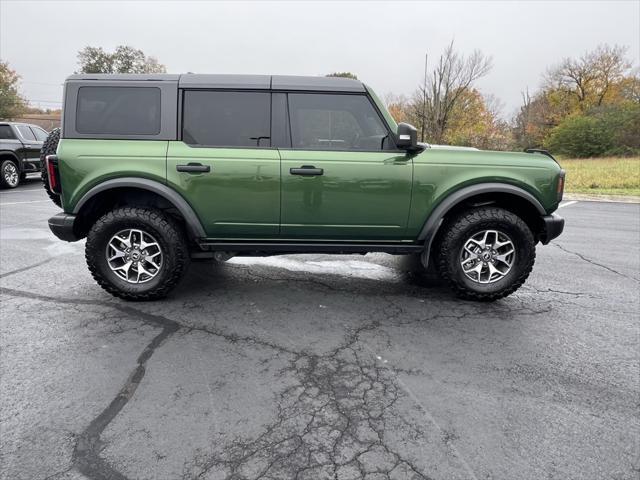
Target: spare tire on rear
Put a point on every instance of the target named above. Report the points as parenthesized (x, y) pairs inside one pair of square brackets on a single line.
[(49, 147)]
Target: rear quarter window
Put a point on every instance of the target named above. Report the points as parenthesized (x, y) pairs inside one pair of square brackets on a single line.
[(6, 133), (118, 110)]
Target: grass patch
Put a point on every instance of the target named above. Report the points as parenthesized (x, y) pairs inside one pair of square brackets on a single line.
[(603, 176)]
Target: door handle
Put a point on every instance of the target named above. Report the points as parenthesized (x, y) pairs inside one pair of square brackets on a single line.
[(306, 170), (193, 168)]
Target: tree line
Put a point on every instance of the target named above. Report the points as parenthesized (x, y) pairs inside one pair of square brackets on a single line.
[(586, 106)]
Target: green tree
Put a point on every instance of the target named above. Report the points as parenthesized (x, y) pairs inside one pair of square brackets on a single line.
[(12, 104), (343, 75), (124, 59), (580, 136)]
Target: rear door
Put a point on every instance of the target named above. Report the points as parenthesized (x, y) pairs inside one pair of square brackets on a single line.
[(342, 178), (224, 164), (31, 144)]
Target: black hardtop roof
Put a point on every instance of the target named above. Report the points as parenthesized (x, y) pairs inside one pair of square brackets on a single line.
[(253, 82)]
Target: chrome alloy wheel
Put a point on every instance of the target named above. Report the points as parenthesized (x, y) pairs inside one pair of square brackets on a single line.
[(134, 256), (487, 256), (10, 174)]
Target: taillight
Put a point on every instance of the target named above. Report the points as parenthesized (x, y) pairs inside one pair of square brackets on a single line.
[(560, 187), (52, 173)]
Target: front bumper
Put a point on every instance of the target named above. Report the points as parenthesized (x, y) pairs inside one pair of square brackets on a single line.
[(553, 227), (62, 227)]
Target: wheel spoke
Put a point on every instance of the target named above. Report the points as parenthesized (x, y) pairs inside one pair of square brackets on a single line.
[(124, 268), (118, 253), (503, 257), (143, 270), (152, 263), (476, 268), (493, 270)]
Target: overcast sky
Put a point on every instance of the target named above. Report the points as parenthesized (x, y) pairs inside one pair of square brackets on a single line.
[(382, 42)]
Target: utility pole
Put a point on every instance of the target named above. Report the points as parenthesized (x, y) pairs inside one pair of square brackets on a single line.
[(424, 99)]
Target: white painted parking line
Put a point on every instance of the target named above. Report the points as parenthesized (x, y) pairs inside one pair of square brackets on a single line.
[(23, 190), (566, 204), (18, 203)]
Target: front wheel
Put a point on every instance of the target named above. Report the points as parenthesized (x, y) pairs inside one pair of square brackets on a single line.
[(486, 253), (137, 253)]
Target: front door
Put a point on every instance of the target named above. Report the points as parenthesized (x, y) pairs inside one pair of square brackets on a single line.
[(225, 166), (343, 178)]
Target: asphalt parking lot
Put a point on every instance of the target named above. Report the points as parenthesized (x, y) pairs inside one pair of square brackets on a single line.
[(314, 367)]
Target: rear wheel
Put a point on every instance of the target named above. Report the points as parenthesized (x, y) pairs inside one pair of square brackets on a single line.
[(486, 253), (9, 174), (137, 253), (49, 147)]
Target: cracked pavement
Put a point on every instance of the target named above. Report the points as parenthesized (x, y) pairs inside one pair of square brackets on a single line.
[(320, 367)]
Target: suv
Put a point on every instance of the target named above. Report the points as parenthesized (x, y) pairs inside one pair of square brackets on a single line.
[(20, 145), (156, 170)]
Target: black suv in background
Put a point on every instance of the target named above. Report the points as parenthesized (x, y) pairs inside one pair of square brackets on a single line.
[(20, 145)]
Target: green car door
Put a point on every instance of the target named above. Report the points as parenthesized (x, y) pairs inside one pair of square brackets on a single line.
[(342, 178), (225, 166)]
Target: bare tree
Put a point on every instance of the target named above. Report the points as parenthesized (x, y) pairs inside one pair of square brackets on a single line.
[(452, 77)]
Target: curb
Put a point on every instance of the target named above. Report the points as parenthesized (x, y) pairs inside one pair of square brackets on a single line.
[(583, 197)]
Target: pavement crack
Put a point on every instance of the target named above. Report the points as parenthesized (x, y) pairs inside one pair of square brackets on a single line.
[(593, 262), (333, 422), (86, 454), (24, 269)]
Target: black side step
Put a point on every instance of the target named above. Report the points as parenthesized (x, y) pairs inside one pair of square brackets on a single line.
[(310, 247)]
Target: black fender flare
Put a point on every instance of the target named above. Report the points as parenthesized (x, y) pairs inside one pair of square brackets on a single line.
[(192, 221), (433, 223)]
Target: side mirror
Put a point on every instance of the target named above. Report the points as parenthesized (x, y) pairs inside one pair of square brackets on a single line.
[(407, 137)]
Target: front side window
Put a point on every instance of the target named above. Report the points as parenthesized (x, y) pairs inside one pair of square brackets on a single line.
[(118, 110), (336, 122), (26, 133), (226, 119), (41, 135)]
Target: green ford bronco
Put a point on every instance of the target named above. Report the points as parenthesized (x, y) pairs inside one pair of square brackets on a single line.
[(157, 170)]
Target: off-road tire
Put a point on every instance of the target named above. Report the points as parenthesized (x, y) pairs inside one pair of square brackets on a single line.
[(3, 181), (49, 147), (454, 234), (169, 235)]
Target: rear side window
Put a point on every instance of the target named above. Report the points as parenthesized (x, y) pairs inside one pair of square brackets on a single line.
[(25, 132), (226, 119), (118, 110), (6, 133), (40, 134), (336, 122)]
